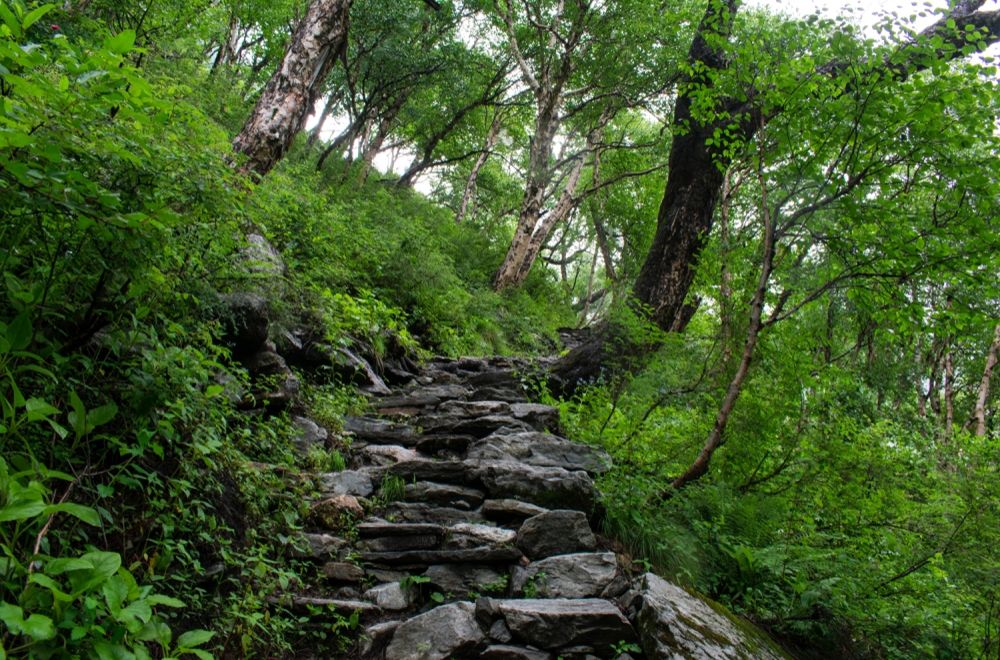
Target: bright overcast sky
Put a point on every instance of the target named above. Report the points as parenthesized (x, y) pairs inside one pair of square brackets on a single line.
[(864, 13)]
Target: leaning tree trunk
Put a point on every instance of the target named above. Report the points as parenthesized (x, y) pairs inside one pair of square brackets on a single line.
[(290, 95), (983, 397)]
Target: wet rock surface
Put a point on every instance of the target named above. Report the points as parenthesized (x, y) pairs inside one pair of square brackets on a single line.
[(463, 530)]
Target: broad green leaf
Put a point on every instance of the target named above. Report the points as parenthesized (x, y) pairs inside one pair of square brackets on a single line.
[(35, 14), (84, 513), (19, 332), (194, 638), (121, 43), (39, 627), (22, 511)]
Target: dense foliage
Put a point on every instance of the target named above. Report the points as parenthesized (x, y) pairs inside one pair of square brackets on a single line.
[(146, 508)]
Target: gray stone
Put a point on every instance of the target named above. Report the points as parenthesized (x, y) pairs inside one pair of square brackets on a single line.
[(462, 579), (245, 322), (391, 596), (342, 571), (474, 408), (581, 575), (470, 535), (510, 511), (387, 454), (418, 512), (415, 558), (309, 434), (380, 431), (499, 632), (357, 370), (450, 495), (554, 623), (319, 546), (542, 449), (346, 482), (507, 652), (554, 533), (673, 623), (338, 605), (439, 634), (550, 487), (377, 636), (539, 416)]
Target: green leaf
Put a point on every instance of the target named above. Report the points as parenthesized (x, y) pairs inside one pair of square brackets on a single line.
[(22, 510), (121, 43), (78, 511), (78, 416), (35, 14), (101, 415), (193, 638), (10, 20), (19, 332), (39, 627), (167, 601)]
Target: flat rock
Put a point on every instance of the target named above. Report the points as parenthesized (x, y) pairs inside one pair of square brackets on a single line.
[(346, 482), (452, 472), (420, 512), (387, 454), (442, 633), (549, 487), (470, 535), (380, 431), (542, 449), (553, 623), (485, 554), (452, 443), (339, 605), (462, 579), (561, 531), (340, 571), (509, 511), (579, 575), (508, 652), (450, 495), (673, 623), (475, 426), (378, 529), (474, 408)]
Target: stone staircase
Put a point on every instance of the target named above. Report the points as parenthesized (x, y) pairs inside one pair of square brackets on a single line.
[(463, 529)]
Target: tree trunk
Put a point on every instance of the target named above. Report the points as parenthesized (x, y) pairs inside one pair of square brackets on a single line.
[(979, 413), (323, 116), (716, 436), (290, 95), (470, 184)]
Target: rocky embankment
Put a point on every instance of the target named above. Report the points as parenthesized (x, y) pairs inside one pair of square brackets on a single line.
[(463, 529)]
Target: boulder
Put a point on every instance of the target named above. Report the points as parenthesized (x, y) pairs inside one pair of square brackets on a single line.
[(388, 454), (319, 546), (554, 533), (673, 623), (245, 322), (442, 633), (580, 575)]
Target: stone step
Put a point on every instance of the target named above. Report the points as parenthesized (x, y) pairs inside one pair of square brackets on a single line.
[(540, 449), (578, 575), (450, 495), (380, 431), (424, 558), (564, 626), (549, 487)]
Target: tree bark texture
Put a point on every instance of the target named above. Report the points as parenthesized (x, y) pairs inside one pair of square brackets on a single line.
[(470, 184), (983, 396), (290, 95)]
